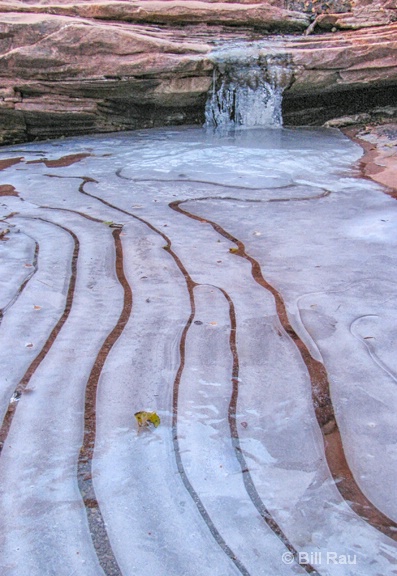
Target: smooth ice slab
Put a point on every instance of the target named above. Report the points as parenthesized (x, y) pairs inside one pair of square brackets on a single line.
[(243, 287)]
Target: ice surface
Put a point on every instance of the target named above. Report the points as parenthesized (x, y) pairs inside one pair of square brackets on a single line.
[(176, 499), (33, 312)]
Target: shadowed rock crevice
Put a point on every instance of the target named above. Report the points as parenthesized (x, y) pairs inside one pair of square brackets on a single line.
[(371, 103)]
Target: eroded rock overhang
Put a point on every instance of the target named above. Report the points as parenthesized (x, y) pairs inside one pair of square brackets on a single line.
[(69, 69)]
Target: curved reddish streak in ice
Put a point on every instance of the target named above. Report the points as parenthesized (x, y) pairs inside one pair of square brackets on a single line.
[(182, 348), (25, 282), (51, 338), (96, 523), (334, 452)]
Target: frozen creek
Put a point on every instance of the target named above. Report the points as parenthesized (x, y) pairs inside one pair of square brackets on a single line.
[(242, 286)]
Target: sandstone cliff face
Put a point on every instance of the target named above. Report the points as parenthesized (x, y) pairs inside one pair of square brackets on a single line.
[(62, 75), (77, 67)]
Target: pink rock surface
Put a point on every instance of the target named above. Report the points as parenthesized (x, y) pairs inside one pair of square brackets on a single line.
[(70, 68)]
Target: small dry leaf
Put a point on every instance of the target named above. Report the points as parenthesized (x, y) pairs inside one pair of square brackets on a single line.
[(37, 307), (233, 250), (213, 323), (146, 418), (112, 224)]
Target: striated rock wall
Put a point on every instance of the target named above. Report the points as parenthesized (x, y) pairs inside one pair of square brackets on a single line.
[(343, 73), (265, 15), (68, 68), (61, 75)]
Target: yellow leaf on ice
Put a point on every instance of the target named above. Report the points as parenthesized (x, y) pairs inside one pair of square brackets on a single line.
[(146, 418), (112, 224)]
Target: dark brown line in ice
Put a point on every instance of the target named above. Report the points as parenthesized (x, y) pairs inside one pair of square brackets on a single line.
[(62, 162), (190, 284), (8, 190), (8, 162), (99, 535), (200, 506), (4, 430), (83, 214), (96, 523), (247, 478), (323, 194), (321, 397), (208, 182), (25, 282)]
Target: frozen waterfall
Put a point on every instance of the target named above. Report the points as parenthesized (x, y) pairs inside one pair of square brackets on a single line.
[(247, 89)]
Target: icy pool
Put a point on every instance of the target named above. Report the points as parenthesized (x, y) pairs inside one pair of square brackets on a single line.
[(242, 286)]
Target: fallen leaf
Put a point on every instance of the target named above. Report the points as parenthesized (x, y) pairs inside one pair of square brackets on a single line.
[(233, 250), (37, 307), (146, 418), (112, 224)]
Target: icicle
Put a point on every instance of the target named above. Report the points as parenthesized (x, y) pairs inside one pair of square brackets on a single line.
[(247, 90)]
